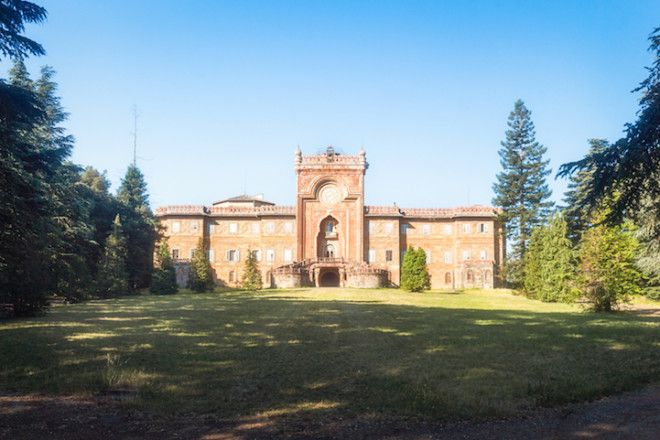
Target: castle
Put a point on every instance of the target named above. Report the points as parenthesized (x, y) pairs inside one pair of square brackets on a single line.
[(330, 238)]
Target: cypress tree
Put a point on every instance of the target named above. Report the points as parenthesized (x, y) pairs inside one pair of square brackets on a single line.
[(521, 189), (251, 280), (112, 275), (550, 266), (139, 226), (414, 273), (163, 280), (201, 273), (607, 264)]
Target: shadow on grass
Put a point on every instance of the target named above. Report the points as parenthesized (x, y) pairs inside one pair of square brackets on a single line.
[(271, 360)]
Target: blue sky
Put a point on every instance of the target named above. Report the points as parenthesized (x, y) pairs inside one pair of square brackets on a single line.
[(227, 90)]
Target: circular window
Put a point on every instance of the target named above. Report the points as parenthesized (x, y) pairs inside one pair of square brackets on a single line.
[(330, 195)]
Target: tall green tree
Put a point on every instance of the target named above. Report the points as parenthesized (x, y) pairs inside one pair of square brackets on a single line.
[(414, 272), (577, 213), (139, 226), (251, 280), (163, 281), (628, 171), (113, 274), (201, 274), (34, 182), (102, 206), (521, 189), (550, 263), (607, 265)]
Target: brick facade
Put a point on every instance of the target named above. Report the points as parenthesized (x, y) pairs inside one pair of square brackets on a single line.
[(331, 238)]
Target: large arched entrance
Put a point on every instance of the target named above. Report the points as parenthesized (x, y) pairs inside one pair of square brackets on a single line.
[(329, 278)]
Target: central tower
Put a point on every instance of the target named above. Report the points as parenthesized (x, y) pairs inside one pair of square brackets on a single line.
[(330, 205)]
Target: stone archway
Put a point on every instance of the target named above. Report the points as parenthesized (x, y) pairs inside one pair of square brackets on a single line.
[(329, 278)]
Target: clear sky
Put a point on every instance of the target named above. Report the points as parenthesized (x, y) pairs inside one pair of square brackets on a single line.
[(227, 90)]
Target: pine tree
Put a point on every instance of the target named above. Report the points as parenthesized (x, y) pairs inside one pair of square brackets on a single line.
[(139, 226), (629, 170), (12, 23), (113, 276), (607, 264), (251, 280), (521, 189), (201, 273), (33, 193), (163, 280), (414, 272), (550, 263), (95, 190)]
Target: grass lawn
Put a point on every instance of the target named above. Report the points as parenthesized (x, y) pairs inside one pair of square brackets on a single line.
[(331, 353)]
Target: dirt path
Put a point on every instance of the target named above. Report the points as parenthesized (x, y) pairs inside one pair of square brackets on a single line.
[(634, 415)]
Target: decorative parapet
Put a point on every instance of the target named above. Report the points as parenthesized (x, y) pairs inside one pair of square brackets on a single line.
[(181, 210), (330, 158), (248, 211), (385, 211), (226, 211), (281, 210), (462, 211)]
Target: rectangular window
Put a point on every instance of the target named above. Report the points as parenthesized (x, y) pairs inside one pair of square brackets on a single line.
[(467, 228), (288, 228), (388, 255), (194, 226), (176, 227), (483, 254), (404, 228), (211, 255), (256, 228), (257, 254), (448, 257), (466, 255), (482, 228), (233, 255), (389, 227), (233, 228), (270, 255), (372, 255), (372, 227), (426, 229), (175, 254), (211, 228), (428, 255), (288, 255), (448, 229), (270, 227)]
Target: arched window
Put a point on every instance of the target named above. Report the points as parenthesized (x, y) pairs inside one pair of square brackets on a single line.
[(330, 227), (330, 251), (447, 277)]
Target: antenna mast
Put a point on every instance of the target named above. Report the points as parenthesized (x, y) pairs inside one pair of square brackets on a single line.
[(135, 118)]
